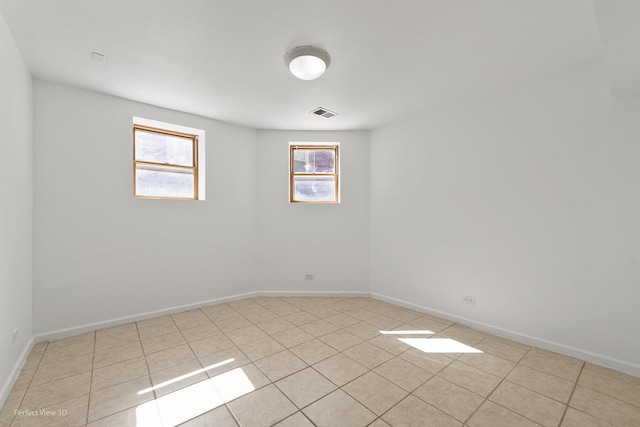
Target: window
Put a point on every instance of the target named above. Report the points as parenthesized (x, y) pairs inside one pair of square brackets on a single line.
[(314, 171), (165, 163)]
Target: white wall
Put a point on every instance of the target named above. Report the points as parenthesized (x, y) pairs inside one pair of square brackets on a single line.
[(100, 254), (527, 200), (16, 193), (328, 240)]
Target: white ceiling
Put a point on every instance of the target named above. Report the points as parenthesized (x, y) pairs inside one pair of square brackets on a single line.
[(224, 59)]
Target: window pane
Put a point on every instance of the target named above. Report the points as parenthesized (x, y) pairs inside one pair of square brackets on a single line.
[(161, 148), (318, 188), (164, 182), (313, 161)]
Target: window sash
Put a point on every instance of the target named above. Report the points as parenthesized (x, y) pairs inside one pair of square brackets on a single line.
[(293, 174), (144, 164)]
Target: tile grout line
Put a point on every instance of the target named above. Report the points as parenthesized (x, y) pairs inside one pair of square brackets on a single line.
[(575, 386)]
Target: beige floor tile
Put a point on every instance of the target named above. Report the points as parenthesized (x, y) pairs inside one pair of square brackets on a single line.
[(65, 349), (429, 323), (285, 310), (233, 324), (12, 402), (25, 376), (261, 316), (143, 415), (624, 388), (416, 413), (210, 345), (473, 379), (449, 398), (492, 415), (200, 332), (489, 363), (384, 323), (301, 318), (190, 319), (463, 334), (219, 417), (263, 407), (62, 368), (319, 328), (170, 357), (553, 363), (57, 391), (341, 340), (296, 420), (280, 365), (70, 413), (610, 372), (339, 409), (292, 337), (402, 373), (375, 392), (604, 407), (390, 344), (117, 354), (156, 322), (220, 312), (119, 373), (248, 334), (162, 342), (269, 302), (313, 351), (529, 404), (342, 320), (110, 400), (574, 418), (305, 387), (259, 349), (114, 330), (340, 369), (430, 362), (323, 312), (176, 377), (115, 339), (368, 355), (188, 402), (275, 325), (223, 361), (363, 330), (379, 423), (239, 381), (541, 382), (500, 348), (360, 313), (156, 330)]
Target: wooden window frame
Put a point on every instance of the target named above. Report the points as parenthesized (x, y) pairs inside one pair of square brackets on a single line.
[(194, 167), (335, 174)]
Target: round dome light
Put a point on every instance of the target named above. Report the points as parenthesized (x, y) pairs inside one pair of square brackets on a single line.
[(307, 62)]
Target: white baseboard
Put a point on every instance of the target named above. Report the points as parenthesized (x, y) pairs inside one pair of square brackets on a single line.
[(89, 327), (587, 356), (15, 371), (358, 294)]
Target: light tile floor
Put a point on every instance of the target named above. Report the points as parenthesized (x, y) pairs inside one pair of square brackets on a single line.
[(311, 362)]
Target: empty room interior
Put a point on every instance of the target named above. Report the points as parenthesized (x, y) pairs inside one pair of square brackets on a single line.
[(338, 213)]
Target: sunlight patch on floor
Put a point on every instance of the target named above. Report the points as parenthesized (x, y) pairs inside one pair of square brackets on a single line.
[(439, 345), (194, 400)]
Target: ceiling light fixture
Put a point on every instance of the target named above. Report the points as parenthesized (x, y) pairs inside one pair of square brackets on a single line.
[(307, 62)]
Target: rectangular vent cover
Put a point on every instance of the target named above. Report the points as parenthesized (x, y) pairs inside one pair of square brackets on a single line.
[(323, 112)]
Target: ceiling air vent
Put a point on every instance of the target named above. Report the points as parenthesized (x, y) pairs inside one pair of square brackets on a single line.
[(323, 112)]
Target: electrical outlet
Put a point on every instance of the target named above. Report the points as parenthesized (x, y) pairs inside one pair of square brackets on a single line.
[(469, 300), (309, 276), (14, 335)]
